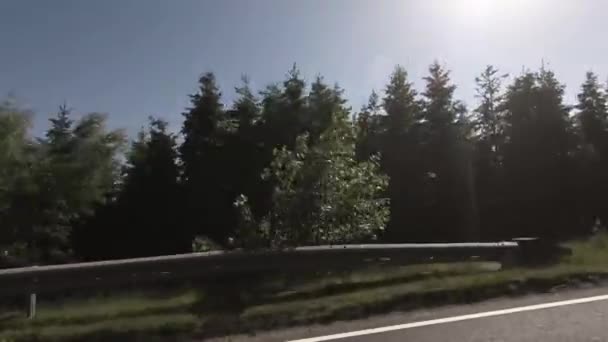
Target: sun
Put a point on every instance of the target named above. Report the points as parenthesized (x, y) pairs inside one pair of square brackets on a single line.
[(472, 9), (482, 13), (479, 8)]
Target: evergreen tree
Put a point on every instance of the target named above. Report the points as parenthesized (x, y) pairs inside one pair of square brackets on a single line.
[(58, 202), (149, 198), (399, 148), (593, 114), (452, 209), (369, 124), (322, 102), (592, 160), (289, 166), (205, 130), (537, 165), (284, 111), (487, 116), (488, 123), (246, 148)]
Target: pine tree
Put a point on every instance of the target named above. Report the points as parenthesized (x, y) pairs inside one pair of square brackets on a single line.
[(247, 148), (369, 124), (487, 115), (400, 104), (322, 103), (246, 110), (537, 163), (399, 149), (592, 160), (209, 190), (593, 113), (284, 111), (488, 124), (59, 202), (148, 200), (201, 130), (452, 213), (76, 168)]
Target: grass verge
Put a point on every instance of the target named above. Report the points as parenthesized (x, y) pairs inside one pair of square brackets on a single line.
[(322, 298)]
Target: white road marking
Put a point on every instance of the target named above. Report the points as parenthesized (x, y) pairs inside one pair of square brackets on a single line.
[(454, 319)]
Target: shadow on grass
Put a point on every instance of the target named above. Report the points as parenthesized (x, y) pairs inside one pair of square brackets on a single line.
[(230, 324), (344, 286)]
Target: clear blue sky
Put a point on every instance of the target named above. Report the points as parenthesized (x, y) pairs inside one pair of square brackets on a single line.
[(134, 58)]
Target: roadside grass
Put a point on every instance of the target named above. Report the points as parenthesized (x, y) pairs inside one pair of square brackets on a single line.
[(144, 328), (123, 316), (289, 301), (74, 311)]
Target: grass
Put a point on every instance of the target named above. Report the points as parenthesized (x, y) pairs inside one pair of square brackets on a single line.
[(142, 328), (148, 316), (124, 315)]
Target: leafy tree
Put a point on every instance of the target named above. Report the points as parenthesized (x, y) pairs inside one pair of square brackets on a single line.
[(322, 194), (14, 125), (17, 186), (98, 150), (79, 167), (54, 181), (289, 166)]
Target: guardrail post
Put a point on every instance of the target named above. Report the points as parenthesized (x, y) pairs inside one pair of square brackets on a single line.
[(31, 307), (510, 258)]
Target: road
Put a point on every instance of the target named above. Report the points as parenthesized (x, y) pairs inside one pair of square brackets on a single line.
[(569, 315)]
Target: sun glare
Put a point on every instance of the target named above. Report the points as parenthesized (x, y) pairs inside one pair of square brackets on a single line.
[(481, 12)]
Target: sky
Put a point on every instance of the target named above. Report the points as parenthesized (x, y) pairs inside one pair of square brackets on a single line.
[(135, 58)]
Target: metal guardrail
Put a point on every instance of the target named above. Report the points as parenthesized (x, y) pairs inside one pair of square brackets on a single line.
[(209, 263), (41, 279)]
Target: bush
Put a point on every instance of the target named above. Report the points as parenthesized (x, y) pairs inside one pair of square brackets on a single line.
[(322, 195)]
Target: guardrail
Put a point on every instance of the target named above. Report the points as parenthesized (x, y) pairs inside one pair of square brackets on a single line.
[(41, 279)]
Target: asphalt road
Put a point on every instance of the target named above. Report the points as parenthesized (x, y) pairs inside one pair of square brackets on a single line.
[(570, 315)]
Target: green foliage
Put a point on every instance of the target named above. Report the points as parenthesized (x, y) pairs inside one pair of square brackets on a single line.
[(207, 130), (322, 194), (591, 124), (448, 159), (56, 180), (537, 122), (146, 212), (593, 113), (289, 165), (16, 183), (368, 125), (489, 140), (487, 120), (400, 102)]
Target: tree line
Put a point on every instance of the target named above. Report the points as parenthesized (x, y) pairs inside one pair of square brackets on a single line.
[(293, 164)]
